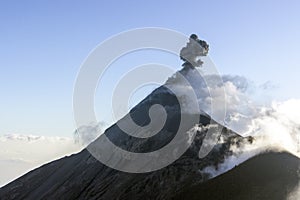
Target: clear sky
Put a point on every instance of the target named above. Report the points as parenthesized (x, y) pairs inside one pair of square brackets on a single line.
[(43, 44)]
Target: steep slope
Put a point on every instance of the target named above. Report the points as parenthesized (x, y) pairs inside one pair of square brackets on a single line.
[(81, 176)]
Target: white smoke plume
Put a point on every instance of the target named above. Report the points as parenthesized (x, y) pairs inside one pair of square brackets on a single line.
[(274, 125), (84, 135)]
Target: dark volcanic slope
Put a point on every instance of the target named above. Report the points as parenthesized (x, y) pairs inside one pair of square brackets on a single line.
[(268, 176), (81, 176)]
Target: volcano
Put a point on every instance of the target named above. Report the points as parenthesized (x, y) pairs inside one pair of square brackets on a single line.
[(268, 175)]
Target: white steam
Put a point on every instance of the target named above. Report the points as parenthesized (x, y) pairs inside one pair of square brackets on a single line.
[(249, 112), (84, 135)]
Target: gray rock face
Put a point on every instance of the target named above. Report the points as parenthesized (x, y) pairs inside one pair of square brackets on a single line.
[(81, 176)]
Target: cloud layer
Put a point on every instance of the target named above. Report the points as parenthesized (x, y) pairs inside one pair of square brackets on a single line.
[(22, 153)]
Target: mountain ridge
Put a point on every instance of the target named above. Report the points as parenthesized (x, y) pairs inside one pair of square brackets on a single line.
[(81, 176)]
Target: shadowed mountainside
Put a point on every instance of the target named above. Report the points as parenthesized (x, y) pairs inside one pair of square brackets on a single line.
[(81, 176), (266, 176)]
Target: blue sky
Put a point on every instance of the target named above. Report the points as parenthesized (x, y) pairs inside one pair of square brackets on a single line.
[(43, 44)]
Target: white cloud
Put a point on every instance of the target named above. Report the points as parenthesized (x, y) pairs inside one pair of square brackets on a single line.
[(249, 112), (22, 153)]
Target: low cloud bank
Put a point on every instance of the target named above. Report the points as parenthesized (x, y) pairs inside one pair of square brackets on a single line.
[(21, 153)]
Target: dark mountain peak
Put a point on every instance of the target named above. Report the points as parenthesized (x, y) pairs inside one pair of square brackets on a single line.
[(81, 176)]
